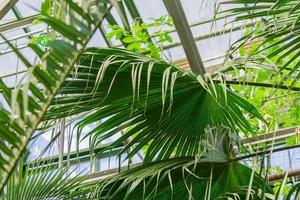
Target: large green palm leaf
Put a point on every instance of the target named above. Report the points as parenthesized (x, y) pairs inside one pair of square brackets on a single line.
[(151, 101), (211, 175), (27, 103)]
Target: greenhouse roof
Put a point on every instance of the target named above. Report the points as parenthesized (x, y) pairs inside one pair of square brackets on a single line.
[(17, 26), (166, 87)]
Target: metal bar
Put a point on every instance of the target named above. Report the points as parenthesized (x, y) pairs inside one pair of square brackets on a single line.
[(178, 43), (133, 9), (22, 36), (24, 22), (85, 153), (261, 153), (213, 34), (19, 16), (100, 175), (291, 173), (10, 26), (283, 133), (61, 143), (10, 51), (188, 42), (74, 155), (6, 6), (122, 13), (54, 164), (104, 174)]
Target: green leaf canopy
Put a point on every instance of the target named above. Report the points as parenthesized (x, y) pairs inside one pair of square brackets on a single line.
[(153, 102)]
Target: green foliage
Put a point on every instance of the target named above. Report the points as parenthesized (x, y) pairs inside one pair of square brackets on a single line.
[(294, 192), (293, 140), (41, 183), (43, 39), (273, 57), (284, 190), (279, 21), (167, 108), (46, 7), (138, 39), (161, 107), (279, 107), (184, 177), (28, 102), (201, 177)]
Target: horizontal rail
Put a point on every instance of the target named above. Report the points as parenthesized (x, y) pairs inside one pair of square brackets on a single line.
[(18, 24), (5, 7), (84, 154)]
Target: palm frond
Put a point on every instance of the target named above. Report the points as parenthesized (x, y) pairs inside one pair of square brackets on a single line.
[(28, 102), (41, 183), (184, 177), (294, 192), (187, 177), (277, 28), (153, 102)]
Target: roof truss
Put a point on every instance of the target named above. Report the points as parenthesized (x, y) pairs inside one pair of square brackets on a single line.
[(6, 6)]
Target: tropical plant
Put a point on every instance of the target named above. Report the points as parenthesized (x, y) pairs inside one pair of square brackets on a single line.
[(139, 40), (150, 96), (157, 105), (41, 183), (273, 57), (276, 29), (28, 102), (214, 174)]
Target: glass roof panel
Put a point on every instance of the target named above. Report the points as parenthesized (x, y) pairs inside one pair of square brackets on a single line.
[(8, 17), (29, 7)]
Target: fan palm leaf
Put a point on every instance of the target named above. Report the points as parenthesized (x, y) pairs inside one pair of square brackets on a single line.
[(153, 102)]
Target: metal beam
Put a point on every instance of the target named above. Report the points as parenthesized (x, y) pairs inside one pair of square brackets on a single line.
[(83, 155), (188, 42), (17, 24), (108, 173), (19, 16), (30, 34), (6, 6), (290, 173)]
